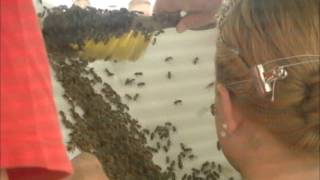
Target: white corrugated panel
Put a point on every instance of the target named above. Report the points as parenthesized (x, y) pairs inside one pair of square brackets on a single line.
[(155, 105)]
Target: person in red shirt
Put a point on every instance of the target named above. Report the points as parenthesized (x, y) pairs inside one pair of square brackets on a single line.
[(31, 146)]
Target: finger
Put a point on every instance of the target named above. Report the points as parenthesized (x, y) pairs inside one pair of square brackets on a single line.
[(86, 167), (166, 6), (186, 5), (199, 5), (3, 174), (195, 21), (85, 159)]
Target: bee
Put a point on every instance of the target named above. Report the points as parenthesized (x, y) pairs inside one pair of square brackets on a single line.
[(217, 175), (147, 37), (207, 172), (167, 159), (183, 154), (169, 168), (158, 128), (204, 165), (168, 124), (42, 14), (213, 109), (174, 129), (146, 131), (154, 41), (219, 168), (182, 146), (165, 148), (62, 114), (128, 96), (107, 58), (173, 163), (173, 176), (108, 72), (177, 102), (184, 177), (180, 163), (195, 60), (136, 96), (210, 85), (152, 149), (138, 73), (129, 81), (167, 59), (64, 120), (218, 145), (70, 148), (168, 143), (191, 156), (213, 164), (93, 81), (141, 84), (152, 136), (196, 171), (188, 149), (91, 70), (159, 32), (161, 136), (210, 177), (169, 75)]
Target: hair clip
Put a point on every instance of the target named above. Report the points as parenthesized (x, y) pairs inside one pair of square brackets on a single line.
[(262, 87), (265, 81)]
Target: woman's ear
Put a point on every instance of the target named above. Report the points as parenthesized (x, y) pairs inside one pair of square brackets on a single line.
[(226, 110)]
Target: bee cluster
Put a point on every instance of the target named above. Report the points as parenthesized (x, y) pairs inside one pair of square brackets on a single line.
[(64, 26), (66, 30), (106, 129)]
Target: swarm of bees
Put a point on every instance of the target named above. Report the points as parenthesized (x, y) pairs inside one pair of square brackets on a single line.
[(161, 135)]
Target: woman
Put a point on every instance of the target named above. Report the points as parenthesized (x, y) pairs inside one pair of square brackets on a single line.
[(276, 136)]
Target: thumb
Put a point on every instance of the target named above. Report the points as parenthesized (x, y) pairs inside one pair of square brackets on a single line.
[(195, 20)]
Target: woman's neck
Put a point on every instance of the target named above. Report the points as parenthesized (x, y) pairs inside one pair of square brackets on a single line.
[(284, 168)]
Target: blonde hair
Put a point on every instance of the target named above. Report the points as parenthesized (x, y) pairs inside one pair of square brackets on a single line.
[(262, 30)]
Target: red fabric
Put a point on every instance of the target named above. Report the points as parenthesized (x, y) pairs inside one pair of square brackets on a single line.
[(30, 140)]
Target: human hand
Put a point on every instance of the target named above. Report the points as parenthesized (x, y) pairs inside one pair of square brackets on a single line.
[(143, 6), (87, 167), (199, 12), (3, 174)]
